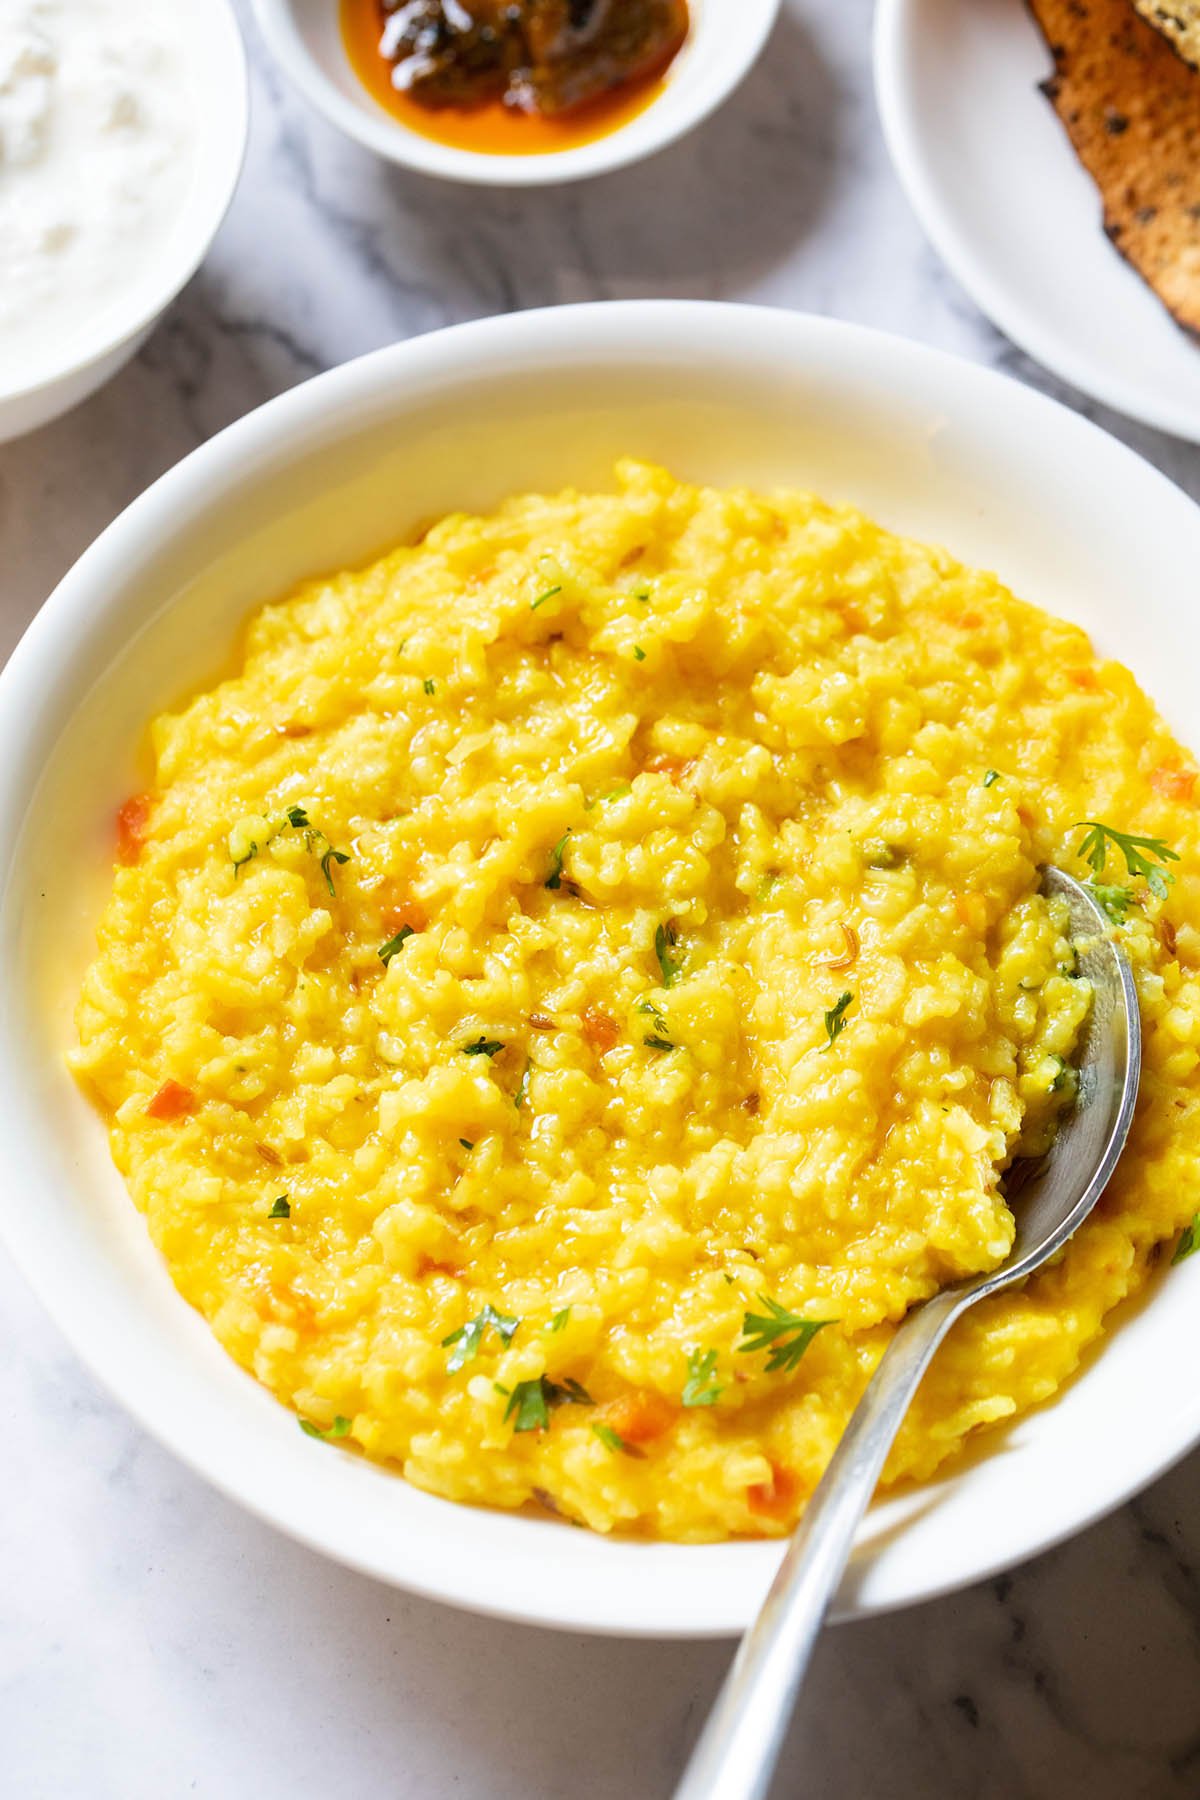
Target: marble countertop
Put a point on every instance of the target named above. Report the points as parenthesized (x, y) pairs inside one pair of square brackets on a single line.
[(154, 1640)]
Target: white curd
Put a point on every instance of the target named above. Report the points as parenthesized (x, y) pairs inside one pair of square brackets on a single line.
[(97, 153)]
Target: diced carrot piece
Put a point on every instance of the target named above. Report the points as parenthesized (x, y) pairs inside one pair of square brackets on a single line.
[(1087, 679), (639, 1416), (676, 767), (972, 910), (599, 1030), (171, 1101), (427, 1265), (774, 1499), (132, 820), (1173, 784), (404, 912)]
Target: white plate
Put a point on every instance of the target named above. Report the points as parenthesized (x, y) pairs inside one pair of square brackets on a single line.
[(326, 475), (725, 41), (994, 181)]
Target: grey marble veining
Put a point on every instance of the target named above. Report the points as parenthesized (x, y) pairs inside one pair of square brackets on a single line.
[(154, 1640)]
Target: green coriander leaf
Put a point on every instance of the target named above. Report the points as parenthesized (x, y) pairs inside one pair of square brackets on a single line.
[(281, 1208), (835, 1019), (483, 1047), (878, 854), (658, 1043), (1189, 1241), (991, 776), (332, 856), (338, 1429), (1115, 901), (428, 684), (638, 653), (393, 944), (784, 1333), (1137, 852), (554, 879), (465, 1342), (531, 1402), (560, 1319), (612, 1440), (542, 598), (642, 594), (616, 793), (467, 1143), (665, 940), (298, 818), (700, 1388)]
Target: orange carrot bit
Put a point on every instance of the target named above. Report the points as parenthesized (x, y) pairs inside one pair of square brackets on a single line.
[(403, 913), (599, 1030), (132, 820), (774, 1499), (639, 1416), (676, 767), (1173, 784), (1087, 679), (972, 910), (171, 1101)]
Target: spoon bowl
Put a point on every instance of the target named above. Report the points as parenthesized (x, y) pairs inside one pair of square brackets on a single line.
[(737, 1751)]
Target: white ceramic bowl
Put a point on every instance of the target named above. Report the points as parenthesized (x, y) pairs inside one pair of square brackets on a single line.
[(217, 70), (1002, 196), (726, 38), (328, 474)]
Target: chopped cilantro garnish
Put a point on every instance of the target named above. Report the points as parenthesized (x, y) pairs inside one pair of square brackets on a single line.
[(612, 1440), (616, 793), (835, 1019), (483, 1046), (1189, 1240), (281, 1208), (554, 879), (639, 654), (1115, 901), (530, 1403), (658, 1043), (878, 854), (701, 1389), (428, 684), (332, 856), (467, 1143), (664, 942), (1137, 852), (542, 598), (393, 944), (991, 776), (784, 1333), (642, 594), (298, 819), (467, 1339), (560, 1319), (338, 1429)]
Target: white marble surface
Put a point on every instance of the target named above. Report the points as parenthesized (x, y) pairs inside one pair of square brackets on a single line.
[(154, 1641)]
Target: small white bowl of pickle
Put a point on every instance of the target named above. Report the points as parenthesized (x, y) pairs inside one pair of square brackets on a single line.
[(511, 94)]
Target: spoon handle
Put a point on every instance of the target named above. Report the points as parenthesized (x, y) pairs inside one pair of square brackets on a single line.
[(735, 1756)]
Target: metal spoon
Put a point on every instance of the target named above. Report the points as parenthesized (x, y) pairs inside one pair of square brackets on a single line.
[(737, 1751)]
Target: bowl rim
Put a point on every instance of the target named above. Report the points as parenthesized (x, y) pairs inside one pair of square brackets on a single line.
[(895, 25), (631, 142), (222, 146), (318, 411)]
